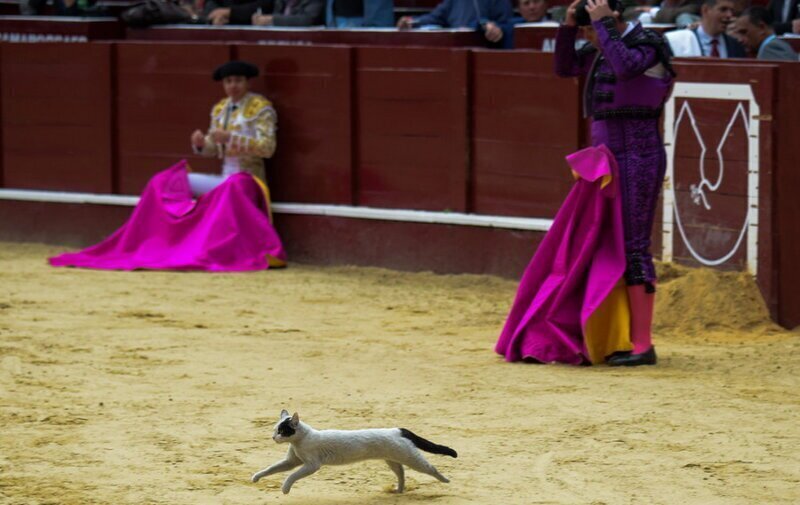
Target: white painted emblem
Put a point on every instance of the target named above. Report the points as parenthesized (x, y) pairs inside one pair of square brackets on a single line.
[(704, 186)]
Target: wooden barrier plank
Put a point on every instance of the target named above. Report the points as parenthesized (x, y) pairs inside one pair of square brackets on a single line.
[(525, 120), (56, 117), (761, 78), (713, 118), (165, 92), (542, 36), (419, 161), (459, 37), (59, 29), (311, 90), (2, 104), (406, 246), (786, 210)]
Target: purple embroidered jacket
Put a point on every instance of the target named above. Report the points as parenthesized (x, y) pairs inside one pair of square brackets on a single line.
[(627, 82)]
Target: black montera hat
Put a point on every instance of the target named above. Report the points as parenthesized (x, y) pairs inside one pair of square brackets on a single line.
[(235, 68)]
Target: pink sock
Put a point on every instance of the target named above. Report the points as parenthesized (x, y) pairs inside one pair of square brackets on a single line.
[(642, 304)]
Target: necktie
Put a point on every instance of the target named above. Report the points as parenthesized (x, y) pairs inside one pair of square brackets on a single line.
[(714, 48)]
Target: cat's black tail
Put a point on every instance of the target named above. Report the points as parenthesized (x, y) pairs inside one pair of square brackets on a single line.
[(427, 445)]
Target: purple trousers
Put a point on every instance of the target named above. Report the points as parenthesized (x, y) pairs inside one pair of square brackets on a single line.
[(640, 155)]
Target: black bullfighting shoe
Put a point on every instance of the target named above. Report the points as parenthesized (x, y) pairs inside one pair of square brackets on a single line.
[(645, 358)]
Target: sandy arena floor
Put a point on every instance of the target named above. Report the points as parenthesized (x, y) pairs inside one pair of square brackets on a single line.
[(154, 387)]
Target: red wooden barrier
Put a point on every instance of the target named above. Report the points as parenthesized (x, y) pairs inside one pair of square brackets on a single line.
[(524, 119), (56, 118), (792, 41), (542, 36), (411, 128), (164, 92), (724, 122), (311, 90), (539, 36), (312, 35), (58, 29), (786, 207)]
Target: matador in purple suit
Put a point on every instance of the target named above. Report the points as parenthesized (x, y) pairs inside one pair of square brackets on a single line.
[(628, 78)]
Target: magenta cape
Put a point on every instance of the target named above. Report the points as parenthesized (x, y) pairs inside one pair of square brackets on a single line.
[(579, 262), (226, 229)]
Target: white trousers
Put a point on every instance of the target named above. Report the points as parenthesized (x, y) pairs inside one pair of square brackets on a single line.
[(203, 183)]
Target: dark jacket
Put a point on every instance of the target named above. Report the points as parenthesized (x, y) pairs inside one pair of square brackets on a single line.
[(777, 49), (377, 13), (462, 14), (776, 7), (734, 47), (670, 14), (302, 13)]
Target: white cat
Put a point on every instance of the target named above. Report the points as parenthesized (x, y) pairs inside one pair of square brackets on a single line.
[(313, 448)]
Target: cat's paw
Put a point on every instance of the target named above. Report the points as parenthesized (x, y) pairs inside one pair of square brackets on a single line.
[(255, 477), (286, 489)]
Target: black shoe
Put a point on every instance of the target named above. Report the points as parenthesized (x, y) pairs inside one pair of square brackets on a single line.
[(645, 358)]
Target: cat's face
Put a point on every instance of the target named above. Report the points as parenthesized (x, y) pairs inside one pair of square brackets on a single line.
[(286, 428)]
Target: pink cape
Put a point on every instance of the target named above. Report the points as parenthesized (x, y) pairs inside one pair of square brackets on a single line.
[(575, 268), (227, 229)]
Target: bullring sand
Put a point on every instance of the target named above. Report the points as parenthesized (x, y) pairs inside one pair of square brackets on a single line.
[(162, 388)]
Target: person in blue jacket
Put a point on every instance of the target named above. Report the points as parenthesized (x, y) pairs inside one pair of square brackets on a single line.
[(491, 17), (359, 13)]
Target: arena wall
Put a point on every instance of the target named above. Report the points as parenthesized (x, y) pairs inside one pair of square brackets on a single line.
[(445, 159)]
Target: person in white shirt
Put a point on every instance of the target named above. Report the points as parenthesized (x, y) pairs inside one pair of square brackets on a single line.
[(708, 39)]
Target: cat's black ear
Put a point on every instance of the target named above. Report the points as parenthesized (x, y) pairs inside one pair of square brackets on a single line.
[(284, 414), (295, 420)]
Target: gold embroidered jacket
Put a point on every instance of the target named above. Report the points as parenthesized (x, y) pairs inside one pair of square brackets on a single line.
[(252, 123)]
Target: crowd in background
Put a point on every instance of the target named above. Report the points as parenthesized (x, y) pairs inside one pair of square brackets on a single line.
[(711, 28)]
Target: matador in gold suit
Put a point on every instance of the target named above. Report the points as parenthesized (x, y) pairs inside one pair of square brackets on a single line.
[(242, 128), (252, 123)]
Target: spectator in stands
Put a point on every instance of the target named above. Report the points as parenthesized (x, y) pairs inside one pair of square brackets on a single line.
[(265, 12), (754, 30), (532, 11), (359, 13), (491, 17), (708, 38), (64, 7), (786, 16), (31, 7), (681, 13)]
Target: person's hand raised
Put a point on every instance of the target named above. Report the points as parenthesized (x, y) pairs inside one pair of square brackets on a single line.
[(569, 20), (598, 9)]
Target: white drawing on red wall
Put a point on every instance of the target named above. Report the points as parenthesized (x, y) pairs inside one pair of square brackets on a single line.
[(704, 187)]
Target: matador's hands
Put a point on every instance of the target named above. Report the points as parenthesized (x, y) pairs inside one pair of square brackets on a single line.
[(220, 136), (198, 139)]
